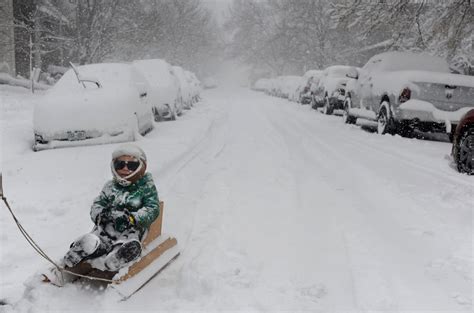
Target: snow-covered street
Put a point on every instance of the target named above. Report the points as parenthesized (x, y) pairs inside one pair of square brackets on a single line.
[(276, 207)]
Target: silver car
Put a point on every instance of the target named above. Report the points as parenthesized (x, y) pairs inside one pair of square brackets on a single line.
[(406, 91)]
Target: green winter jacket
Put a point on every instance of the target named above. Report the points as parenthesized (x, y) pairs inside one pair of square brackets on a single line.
[(139, 198)]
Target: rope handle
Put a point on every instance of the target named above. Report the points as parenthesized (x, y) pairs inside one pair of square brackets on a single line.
[(36, 247), (1, 186), (63, 270)]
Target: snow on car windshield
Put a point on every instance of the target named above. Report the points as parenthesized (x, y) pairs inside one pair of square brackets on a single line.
[(106, 74)]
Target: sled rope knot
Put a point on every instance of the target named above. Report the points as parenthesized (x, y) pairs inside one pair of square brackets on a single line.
[(35, 246)]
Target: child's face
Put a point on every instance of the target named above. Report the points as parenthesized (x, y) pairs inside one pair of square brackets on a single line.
[(125, 171)]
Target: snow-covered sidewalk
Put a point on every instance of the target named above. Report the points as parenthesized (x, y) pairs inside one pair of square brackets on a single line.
[(276, 207)]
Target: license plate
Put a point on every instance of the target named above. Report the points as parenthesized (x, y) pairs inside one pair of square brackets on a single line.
[(76, 135)]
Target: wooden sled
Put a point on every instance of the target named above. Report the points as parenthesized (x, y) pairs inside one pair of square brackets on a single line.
[(158, 251)]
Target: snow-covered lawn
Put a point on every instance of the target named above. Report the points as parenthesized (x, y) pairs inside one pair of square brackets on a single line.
[(275, 207)]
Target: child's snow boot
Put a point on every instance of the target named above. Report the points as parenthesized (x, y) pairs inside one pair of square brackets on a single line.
[(80, 249), (126, 253)]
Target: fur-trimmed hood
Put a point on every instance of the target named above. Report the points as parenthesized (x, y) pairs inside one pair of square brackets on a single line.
[(134, 151)]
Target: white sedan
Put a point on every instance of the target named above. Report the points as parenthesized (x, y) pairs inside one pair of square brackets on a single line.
[(93, 104), (164, 88)]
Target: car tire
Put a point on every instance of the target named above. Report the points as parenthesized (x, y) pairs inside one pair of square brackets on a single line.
[(347, 118), (385, 123), (465, 152), (178, 111), (327, 108), (156, 115), (313, 103)]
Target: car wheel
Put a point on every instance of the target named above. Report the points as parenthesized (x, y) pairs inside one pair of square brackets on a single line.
[(347, 118), (327, 109), (156, 115), (385, 124), (465, 157), (178, 111)]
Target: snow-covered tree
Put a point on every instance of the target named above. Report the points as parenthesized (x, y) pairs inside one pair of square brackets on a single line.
[(183, 32), (284, 36)]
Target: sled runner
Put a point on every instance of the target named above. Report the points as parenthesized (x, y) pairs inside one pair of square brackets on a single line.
[(158, 251)]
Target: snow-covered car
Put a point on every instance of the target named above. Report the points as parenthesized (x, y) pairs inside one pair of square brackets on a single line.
[(186, 89), (308, 86), (272, 86), (405, 91), (290, 87), (284, 86), (164, 88), (93, 104), (261, 84), (331, 90), (195, 86), (209, 83), (463, 144)]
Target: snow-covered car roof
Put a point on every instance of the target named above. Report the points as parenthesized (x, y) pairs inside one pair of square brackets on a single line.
[(406, 61), (156, 71), (108, 74), (337, 70)]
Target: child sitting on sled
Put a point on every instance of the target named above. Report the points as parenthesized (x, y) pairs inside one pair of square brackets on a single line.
[(122, 213)]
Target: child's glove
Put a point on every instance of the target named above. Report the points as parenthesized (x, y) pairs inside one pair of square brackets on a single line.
[(103, 218), (124, 221)]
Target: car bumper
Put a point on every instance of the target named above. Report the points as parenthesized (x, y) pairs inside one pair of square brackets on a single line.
[(424, 112), (85, 139)]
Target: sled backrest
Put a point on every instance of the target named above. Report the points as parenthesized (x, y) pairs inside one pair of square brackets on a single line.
[(155, 228)]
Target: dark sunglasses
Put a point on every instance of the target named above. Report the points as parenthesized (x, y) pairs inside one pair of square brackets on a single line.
[(131, 165)]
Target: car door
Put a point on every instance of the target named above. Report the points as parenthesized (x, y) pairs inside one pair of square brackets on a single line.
[(374, 97), (366, 84), (319, 91), (363, 88)]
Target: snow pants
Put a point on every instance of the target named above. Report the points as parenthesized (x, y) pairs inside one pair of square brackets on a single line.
[(99, 245)]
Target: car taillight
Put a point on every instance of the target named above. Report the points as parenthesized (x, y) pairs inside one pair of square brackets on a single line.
[(405, 95)]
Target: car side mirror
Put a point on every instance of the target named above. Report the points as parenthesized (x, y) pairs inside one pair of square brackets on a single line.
[(353, 73)]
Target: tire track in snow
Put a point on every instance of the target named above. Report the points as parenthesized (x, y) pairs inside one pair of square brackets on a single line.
[(370, 287)]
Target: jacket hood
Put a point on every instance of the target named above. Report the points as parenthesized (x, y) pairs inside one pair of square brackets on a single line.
[(131, 150)]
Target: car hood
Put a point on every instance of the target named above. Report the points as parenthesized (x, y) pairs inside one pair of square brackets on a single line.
[(94, 110)]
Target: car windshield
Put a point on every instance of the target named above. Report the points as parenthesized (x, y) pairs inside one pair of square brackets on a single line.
[(106, 74)]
